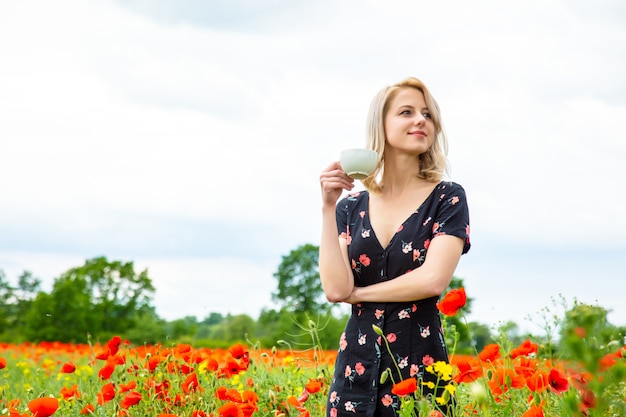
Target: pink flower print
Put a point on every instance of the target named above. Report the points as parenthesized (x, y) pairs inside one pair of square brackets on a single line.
[(414, 369), (379, 313), (333, 412), (353, 263), (333, 398), (427, 221), (428, 360), (350, 407), (400, 228), (348, 372), (414, 308), (346, 235), (362, 339), (391, 337), (403, 363), (426, 244), (362, 213), (404, 314), (386, 400), (416, 254), (467, 231), (435, 226), (441, 197), (365, 233), (425, 332), (407, 247), (454, 200), (364, 260), (343, 343), (379, 340), (359, 368)]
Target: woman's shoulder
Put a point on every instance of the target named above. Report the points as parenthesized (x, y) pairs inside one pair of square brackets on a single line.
[(353, 199), (450, 186)]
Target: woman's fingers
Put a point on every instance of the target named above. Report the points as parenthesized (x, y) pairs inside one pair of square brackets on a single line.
[(333, 180)]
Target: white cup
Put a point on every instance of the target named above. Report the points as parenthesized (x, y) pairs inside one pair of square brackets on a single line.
[(358, 163)]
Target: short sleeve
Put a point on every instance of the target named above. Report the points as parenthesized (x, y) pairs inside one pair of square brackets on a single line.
[(341, 213), (453, 214)]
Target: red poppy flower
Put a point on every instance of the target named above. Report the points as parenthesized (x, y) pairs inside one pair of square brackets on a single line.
[(130, 399), (71, 392), (534, 411), (558, 381), (3, 363), (106, 394), (230, 409), (191, 383), (538, 382), (68, 368), (490, 353), (43, 407), (237, 351), (313, 386), (469, 371), (525, 349), (88, 409), (452, 302), (504, 378), (199, 413), (128, 387), (106, 371), (405, 387)]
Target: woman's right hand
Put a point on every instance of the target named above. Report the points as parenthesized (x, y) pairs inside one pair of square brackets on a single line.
[(333, 180)]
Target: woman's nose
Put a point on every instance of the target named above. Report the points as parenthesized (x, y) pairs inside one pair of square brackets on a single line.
[(419, 119)]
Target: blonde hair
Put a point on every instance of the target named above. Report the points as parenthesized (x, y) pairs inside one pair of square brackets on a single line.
[(433, 163)]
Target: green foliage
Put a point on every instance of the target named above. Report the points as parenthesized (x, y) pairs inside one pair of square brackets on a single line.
[(299, 286)]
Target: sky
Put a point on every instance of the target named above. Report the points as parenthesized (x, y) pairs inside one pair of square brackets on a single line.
[(188, 137)]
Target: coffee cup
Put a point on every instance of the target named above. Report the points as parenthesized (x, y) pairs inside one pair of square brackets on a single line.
[(358, 163)]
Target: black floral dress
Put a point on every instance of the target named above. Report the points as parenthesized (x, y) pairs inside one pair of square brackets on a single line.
[(412, 329)]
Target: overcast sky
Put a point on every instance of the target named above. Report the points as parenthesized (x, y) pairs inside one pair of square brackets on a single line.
[(188, 137)]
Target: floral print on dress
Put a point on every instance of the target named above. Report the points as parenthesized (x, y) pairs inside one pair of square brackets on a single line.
[(412, 329)]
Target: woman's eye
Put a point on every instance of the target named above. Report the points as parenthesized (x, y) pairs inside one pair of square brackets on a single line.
[(405, 112), (427, 115)]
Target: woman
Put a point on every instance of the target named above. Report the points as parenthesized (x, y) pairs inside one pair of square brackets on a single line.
[(399, 244)]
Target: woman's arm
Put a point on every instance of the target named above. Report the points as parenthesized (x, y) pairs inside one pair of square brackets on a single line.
[(334, 265), (429, 280)]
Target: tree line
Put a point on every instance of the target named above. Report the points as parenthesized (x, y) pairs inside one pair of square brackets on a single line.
[(103, 298)]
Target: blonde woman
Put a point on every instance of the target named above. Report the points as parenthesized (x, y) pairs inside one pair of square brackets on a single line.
[(399, 243)]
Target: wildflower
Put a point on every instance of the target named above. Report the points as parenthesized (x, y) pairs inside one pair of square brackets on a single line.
[(237, 351), (72, 392), (130, 399), (313, 386), (68, 368), (191, 383), (43, 407), (230, 409), (88, 409), (490, 353), (527, 348), (469, 371), (558, 381), (452, 302), (502, 379), (405, 387), (3, 363), (538, 382), (534, 411), (106, 394)]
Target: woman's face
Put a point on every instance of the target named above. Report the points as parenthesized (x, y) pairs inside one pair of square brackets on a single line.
[(409, 127)]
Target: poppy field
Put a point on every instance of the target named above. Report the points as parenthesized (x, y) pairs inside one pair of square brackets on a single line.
[(583, 377)]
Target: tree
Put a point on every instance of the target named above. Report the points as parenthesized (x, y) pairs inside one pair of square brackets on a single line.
[(100, 298), (299, 286)]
